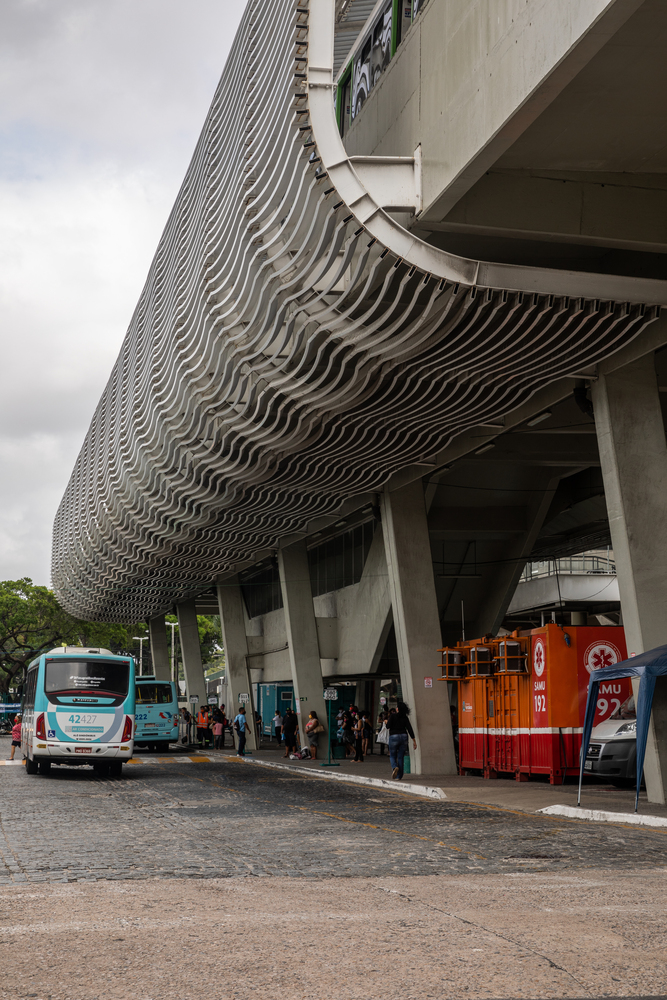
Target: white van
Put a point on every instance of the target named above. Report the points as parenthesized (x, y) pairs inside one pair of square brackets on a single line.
[(612, 752)]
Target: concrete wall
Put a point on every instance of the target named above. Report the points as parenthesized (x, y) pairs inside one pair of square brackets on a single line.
[(471, 76)]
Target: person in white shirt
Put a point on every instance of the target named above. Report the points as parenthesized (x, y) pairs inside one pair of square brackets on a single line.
[(278, 725)]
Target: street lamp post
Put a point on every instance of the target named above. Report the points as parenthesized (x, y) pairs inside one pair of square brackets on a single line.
[(173, 626), (141, 639)]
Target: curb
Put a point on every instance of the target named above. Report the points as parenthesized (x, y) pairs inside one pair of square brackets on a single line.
[(425, 791), (600, 816)]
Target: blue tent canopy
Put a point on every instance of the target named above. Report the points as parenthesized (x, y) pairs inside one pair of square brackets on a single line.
[(647, 666)]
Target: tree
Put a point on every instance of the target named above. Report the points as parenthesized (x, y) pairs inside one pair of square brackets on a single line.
[(32, 622)]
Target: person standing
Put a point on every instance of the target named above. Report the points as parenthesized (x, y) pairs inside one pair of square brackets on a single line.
[(241, 730), (290, 723), (313, 729), (399, 728), (358, 730), (202, 725), (367, 734), (382, 717), (16, 735), (277, 725), (218, 731)]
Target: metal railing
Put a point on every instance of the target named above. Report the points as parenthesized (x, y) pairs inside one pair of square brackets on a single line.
[(597, 562)]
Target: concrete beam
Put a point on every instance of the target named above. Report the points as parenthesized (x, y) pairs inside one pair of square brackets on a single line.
[(159, 650), (418, 638), (633, 455), (235, 644), (302, 636), (627, 211), (191, 650)]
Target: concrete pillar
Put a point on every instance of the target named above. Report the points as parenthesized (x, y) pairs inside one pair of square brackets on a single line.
[(235, 644), (159, 651), (633, 456), (417, 627), (304, 650), (191, 652)]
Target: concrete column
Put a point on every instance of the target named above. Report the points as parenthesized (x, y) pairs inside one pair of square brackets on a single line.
[(507, 574), (633, 455), (235, 643), (304, 650), (417, 626), (191, 652), (159, 651)]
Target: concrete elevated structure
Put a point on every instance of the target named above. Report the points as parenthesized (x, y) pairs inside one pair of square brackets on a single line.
[(385, 355)]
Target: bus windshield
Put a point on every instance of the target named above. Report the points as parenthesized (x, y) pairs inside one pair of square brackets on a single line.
[(154, 694), (98, 677)]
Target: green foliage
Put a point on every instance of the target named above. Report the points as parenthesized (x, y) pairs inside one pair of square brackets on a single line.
[(32, 622)]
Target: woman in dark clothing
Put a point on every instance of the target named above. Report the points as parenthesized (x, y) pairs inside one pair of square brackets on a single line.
[(290, 725), (358, 730), (399, 728)]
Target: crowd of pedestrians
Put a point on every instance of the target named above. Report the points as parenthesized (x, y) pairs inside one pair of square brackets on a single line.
[(354, 731)]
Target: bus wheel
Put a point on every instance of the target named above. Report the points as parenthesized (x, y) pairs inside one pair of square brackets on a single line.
[(101, 770), (30, 766), (116, 769), (45, 767)]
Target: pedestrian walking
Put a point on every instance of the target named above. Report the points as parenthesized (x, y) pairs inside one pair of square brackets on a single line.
[(399, 728), (258, 727), (16, 735), (241, 730), (313, 729), (218, 732), (277, 725), (290, 725)]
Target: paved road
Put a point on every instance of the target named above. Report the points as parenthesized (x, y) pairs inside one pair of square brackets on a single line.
[(228, 880), (223, 818)]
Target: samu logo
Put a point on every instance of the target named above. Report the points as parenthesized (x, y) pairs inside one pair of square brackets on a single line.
[(601, 654)]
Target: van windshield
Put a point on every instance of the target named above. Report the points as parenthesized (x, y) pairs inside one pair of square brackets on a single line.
[(154, 694), (625, 711), (108, 678)]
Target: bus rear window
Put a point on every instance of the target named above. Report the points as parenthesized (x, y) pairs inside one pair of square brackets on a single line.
[(154, 694), (100, 677)]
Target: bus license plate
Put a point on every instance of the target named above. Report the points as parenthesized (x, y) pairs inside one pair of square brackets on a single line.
[(588, 765), (83, 749)]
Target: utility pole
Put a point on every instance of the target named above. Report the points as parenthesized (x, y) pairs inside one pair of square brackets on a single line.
[(173, 626), (141, 639)]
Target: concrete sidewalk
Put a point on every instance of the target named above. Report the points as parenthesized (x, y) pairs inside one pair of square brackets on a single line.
[(503, 793)]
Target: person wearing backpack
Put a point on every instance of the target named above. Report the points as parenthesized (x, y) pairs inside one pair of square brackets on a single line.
[(241, 728)]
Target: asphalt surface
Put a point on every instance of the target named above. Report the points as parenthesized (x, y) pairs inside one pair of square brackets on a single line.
[(191, 878), (183, 819)]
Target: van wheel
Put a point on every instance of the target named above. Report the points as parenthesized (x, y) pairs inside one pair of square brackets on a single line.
[(116, 769), (45, 767), (30, 766)]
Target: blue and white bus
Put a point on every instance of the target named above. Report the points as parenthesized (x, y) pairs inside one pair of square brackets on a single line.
[(78, 708), (157, 713)]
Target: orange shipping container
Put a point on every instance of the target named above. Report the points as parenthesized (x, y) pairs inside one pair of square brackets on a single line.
[(531, 722)]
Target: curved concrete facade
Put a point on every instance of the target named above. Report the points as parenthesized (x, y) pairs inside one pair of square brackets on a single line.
[(293, 345)]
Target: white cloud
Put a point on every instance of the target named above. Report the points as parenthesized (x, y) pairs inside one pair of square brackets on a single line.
[(101, 103)]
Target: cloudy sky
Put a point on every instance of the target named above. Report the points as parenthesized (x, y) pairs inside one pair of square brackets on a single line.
[(101, 103)]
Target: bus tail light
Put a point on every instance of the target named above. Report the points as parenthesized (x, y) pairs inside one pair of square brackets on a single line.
[(127, 730), (40, 728), (175, 721)]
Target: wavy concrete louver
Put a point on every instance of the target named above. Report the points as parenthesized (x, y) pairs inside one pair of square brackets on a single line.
[(293, 345)]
